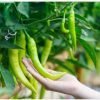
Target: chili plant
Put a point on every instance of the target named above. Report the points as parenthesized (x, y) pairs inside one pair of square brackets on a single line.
[(41, 31)]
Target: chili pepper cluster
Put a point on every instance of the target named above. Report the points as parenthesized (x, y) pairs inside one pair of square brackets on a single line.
[(18, 68), (16, 55), (71, 24)]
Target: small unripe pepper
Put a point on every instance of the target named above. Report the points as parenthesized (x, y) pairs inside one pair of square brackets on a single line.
[(72, 27), (63, 29), (46, 51)]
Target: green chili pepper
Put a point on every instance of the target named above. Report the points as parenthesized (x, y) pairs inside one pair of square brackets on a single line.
[(22, 52), (32, 50), (14, 63), (34, 82), (47, 48), (63, 29), (46, 51), (21, 41), (71, 53), (42, 92), (44, 57), (72, 27)]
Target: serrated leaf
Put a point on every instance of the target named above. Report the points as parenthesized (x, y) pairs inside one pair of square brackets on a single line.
[(23, 8), (89, 49), (7, 44)]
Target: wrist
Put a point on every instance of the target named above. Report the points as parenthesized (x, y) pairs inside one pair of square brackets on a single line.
[(79, 90), (84, 92), (74, 88)]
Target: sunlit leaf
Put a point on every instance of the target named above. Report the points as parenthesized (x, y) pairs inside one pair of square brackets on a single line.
[(78, 64), (89, 49), (23, 8), (61, 63)]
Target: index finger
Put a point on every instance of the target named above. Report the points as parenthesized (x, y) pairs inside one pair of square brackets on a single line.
[(35, 74)]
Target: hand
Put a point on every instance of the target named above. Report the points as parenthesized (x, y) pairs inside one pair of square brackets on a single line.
[(67, 84)]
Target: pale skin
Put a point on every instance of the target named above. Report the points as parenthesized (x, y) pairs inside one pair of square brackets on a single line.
[(68, 84)]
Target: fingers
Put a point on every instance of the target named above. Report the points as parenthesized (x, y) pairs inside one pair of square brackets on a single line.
[(27, 63), (44, 81), (30, 61)]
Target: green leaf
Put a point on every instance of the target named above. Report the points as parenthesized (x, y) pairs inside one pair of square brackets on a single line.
[(7, 76), (6, 91), (78, 63), (81, 18), (88, 39), (83, 21), (9, 15), (97, 49), (7, 44), (8, 79), (17, 27), (61, 63), (23, 8), (89, 49)]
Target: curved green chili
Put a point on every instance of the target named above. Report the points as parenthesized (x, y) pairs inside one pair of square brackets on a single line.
[(63, 29), (32, 50), (72, 27), (71, 53), (44, 57), (46, 51), (21, 41), (14, 63), (42, 92), (22, 52)]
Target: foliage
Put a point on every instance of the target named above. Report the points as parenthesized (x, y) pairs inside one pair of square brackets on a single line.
[(33, 18)]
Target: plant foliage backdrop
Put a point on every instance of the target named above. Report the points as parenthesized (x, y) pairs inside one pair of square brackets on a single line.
[(38, 20)]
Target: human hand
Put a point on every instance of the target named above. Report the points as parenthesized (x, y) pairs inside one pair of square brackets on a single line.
[(67, 84)]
